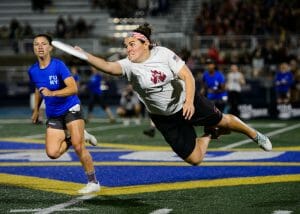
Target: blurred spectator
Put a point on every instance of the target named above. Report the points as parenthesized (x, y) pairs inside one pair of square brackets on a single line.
[(245, 18), (26, 34), (95, 88), (15, 33), (283, 83), (81, 27), (258, 62), (295, 90), (70, 26), (234, 84), (4, 32), (27, 31), (61, 27), (214, 83), (130, 107), (75, 74)]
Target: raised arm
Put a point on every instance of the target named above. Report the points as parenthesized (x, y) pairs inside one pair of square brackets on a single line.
[(112, 68)]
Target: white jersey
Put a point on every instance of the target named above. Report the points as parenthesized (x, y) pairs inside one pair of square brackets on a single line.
[(234, 81), (156, 81)]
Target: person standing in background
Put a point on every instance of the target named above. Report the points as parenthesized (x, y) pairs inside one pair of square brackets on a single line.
[(130, 106), (96, 95), (235, 81), (283, 83), (284, 80), (214, 83)]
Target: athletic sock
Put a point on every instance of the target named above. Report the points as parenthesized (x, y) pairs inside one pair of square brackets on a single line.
[(91, 176)]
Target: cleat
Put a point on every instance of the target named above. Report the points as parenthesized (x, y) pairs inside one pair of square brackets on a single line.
[(90, 188), (263, 142), (89, 138), (149, 132)]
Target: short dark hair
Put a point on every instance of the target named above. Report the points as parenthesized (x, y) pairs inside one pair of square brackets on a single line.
[(47, 36)]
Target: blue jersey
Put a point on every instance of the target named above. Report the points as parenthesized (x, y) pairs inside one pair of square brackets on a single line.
[(213, 83), (94, 84), (76, 77), (283, 81), (52, 77)]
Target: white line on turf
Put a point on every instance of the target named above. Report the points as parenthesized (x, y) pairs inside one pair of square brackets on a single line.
[(282, 212), (61, 206), (161, 211), (269, 134), (39, 209), (100, 128)]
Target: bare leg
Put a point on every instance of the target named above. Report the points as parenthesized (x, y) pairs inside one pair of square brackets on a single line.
[(110, 115), (233, 123), (76, 129), (56, 144), (198, 154)]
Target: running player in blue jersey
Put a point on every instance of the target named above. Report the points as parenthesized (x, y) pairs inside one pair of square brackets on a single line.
[(214, 85), (55, 84), (166, 86)]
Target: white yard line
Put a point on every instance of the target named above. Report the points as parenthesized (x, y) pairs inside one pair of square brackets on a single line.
[(99, 128), (269, 134), (39, 209), (59, 207), (161, 211)]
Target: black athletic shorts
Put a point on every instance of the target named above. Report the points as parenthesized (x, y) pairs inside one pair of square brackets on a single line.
[(180, 133), (61, 121)]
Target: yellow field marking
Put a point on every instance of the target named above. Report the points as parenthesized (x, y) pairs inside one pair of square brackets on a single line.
[(43, 184), (71, 188), (145, 147), (199, 184), (139, 163)]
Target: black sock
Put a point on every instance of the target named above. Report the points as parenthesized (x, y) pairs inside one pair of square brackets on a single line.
[(91, 176)]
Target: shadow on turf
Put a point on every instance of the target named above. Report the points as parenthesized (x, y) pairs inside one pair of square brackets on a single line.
[(117, 202), (279, 203)]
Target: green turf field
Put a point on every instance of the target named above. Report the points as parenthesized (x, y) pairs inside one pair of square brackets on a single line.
[(274, 189)]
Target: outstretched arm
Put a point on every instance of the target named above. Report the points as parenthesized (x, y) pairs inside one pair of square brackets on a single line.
[(112, 68)]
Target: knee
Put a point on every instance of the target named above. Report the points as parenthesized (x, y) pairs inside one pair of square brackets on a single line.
[(194, 160), (226, 120), (53, 155), (78, 148)]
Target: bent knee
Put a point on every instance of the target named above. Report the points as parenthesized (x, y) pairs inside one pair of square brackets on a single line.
[(225, 120), (195, 161), (53, 155)]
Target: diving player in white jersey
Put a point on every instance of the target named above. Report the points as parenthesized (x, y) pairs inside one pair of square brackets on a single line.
[(167, 88), (55, 84)]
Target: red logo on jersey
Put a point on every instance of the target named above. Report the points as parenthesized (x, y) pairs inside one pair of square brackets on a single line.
[(157, 76)]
